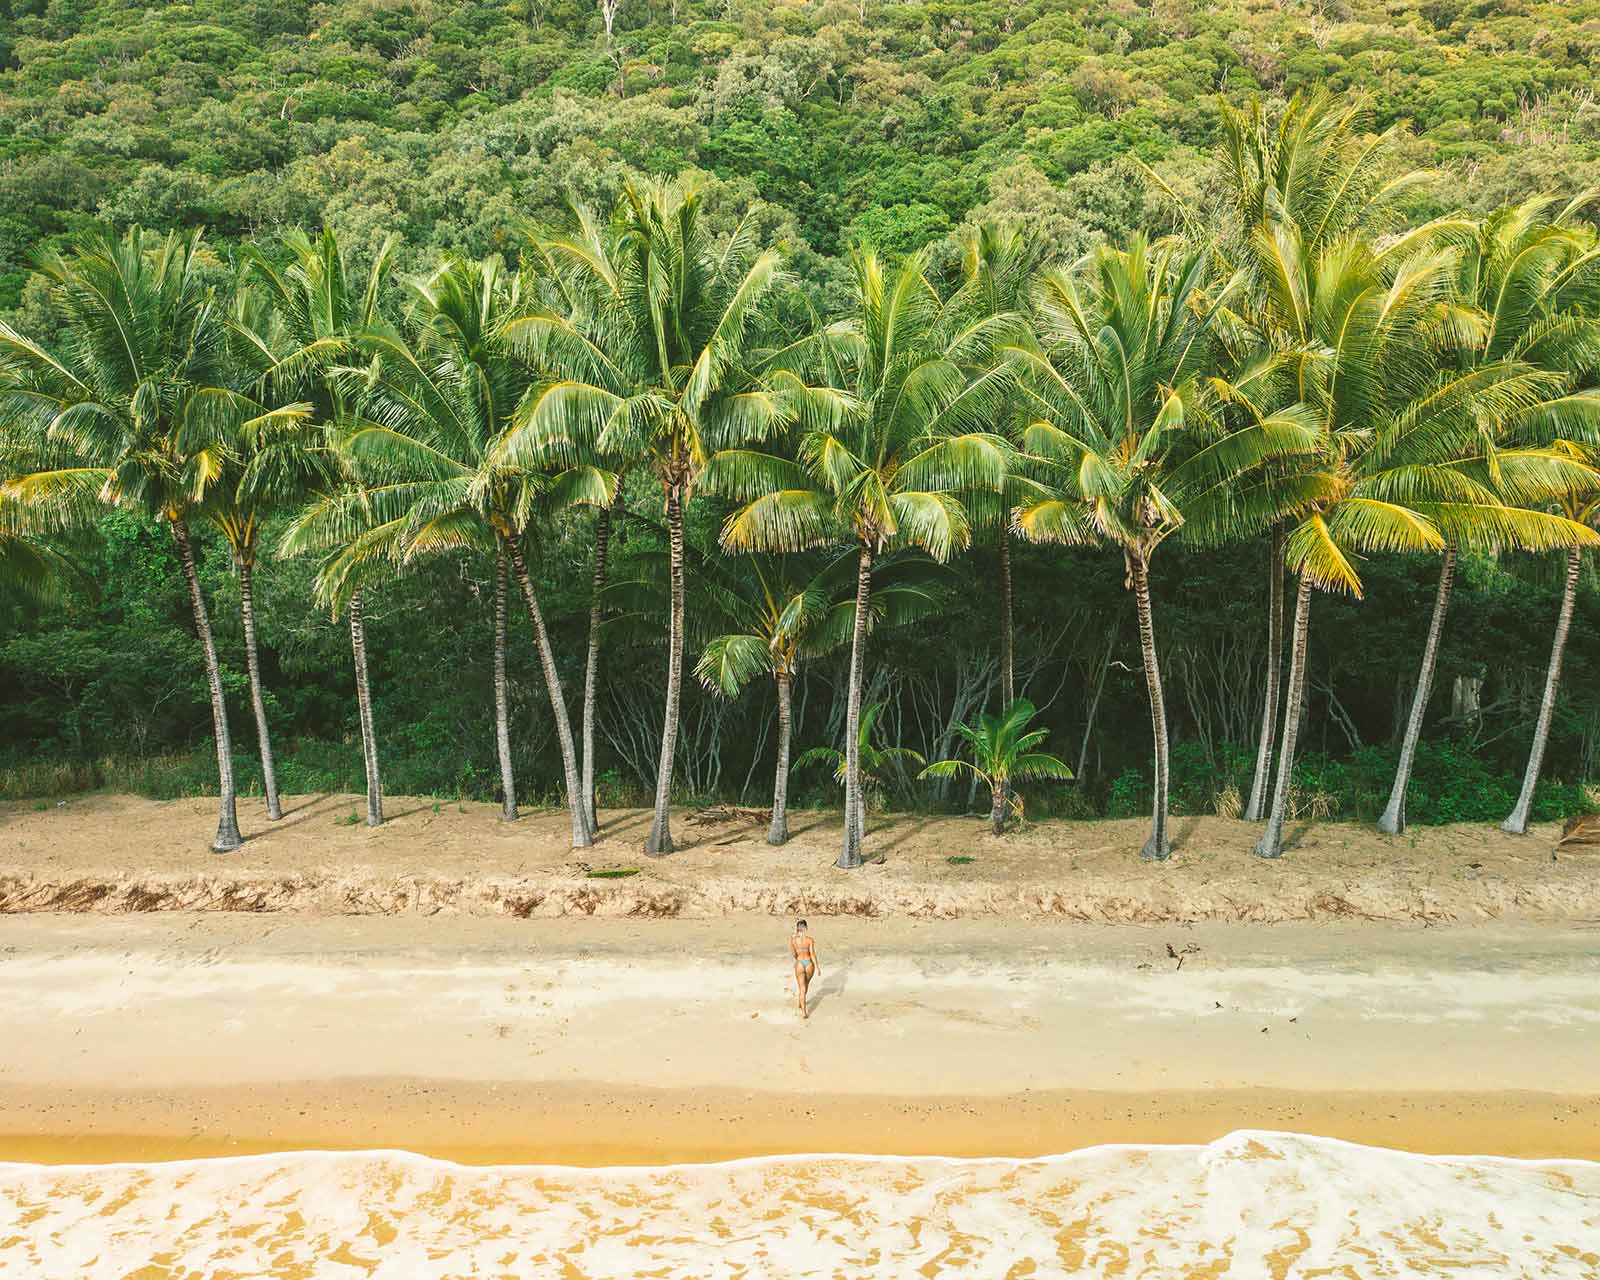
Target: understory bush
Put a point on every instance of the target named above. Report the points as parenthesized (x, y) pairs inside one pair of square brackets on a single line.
[(1448, 783)]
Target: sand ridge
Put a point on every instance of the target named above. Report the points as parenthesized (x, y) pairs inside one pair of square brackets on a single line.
[(120, 854)]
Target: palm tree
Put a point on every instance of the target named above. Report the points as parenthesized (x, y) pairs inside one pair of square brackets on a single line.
[(1394, 468), (136, 407), (872, 762), (339, 525), (30, 568), (1512, 305), (268, 467), (1584, 508), (789, 609), (434, 406), (648, 364), (1118, 377), (880, 459), (305, 328), (1311, 167), (1002, 753), (1000, 262)]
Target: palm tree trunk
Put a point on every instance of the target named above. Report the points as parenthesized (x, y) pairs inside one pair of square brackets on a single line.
[(1080, 779), (247, 608), (591, 670), (1271, 843), (502, 721), (1157, 848), (854, 805), (997, 810), (1269, 712), (1008, 636), (227, 837), (581, 837), (778, 832), (1517, 822), (660, 841), (1393, 819), (369, 739)]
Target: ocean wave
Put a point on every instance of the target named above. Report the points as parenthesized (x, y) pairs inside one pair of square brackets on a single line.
[(1252, 1204)]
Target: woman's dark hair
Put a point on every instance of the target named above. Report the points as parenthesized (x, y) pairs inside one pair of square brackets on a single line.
[(799, 924)]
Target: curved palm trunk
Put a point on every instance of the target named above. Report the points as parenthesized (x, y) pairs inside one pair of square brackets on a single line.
[(660, 841), (1517, 822), (1008, 635), (247, 609), (778, 832), (591, 669), (1157, 848), (227, 837), (1393, 818), (502, 724), (854, 803), (1271, 843), (581, 837), (369, 739), (1269, 712)]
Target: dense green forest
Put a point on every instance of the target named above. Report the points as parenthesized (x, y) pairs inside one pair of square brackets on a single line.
[(841, 140)]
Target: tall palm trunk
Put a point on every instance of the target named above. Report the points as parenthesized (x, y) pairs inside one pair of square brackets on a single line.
[(1517, 822), (1271, 843), (1157, 848), (369, 739), (1393, 818), (581, 836), (591, 669), (854, 802), (1008, 635), (778, 832), (660, 841), (1269, 712), (247, 608), (502, 719), (1081, 777), (227, 837)]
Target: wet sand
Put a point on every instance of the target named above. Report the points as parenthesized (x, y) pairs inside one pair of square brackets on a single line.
[(619, 1042)]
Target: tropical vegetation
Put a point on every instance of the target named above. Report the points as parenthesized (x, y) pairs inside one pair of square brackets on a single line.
[(919, 485)]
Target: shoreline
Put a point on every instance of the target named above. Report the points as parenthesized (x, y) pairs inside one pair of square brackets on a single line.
[(607, 1042), (517, 1124)]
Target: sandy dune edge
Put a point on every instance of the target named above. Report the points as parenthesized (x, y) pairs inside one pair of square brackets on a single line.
[(118, 854)]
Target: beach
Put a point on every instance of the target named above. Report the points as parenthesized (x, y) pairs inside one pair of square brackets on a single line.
[(445, 1048), (601, 1042), (111, 854)]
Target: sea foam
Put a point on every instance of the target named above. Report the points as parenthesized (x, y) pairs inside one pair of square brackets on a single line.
[(1252, 1204)]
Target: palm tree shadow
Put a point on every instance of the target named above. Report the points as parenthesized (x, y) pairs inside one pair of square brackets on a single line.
[(293, 817), (1181, 836), (829, 987), (1292, 839), (900, 832), (610, 827), (307, 802), (406, 813)]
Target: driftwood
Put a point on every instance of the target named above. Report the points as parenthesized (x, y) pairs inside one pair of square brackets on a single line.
[(719, 815), (1580, 832)]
